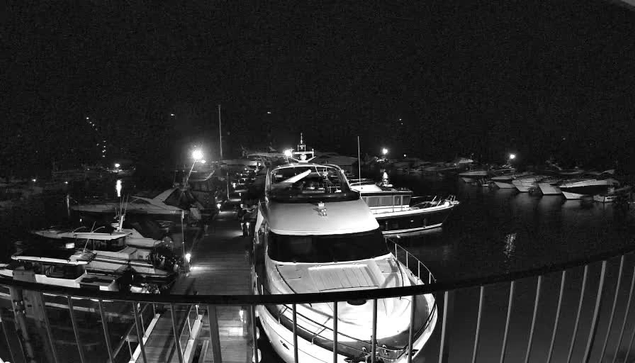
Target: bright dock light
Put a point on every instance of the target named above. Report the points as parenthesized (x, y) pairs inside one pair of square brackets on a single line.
[(384, 151), (197, 155), (288, 153), (512, 156)]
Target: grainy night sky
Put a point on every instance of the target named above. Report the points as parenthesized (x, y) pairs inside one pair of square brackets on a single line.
[(485, 77)]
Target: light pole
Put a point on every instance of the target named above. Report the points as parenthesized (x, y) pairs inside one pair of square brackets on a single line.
[(197, 155)]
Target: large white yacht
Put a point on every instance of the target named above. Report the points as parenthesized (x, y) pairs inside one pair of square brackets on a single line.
[(315, 234)]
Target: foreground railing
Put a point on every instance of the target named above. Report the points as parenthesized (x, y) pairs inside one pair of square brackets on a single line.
[(578, 311)]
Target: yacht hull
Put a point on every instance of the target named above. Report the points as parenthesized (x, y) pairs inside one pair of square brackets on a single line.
[(414, 220)]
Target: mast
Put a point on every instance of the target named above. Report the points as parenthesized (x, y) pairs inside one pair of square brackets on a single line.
[(359, 163), (220, 134)]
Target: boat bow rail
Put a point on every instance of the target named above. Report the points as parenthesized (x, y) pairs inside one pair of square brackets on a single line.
[(600, 333)]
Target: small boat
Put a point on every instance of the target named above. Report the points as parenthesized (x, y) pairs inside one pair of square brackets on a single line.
[(170, 204), (505, 181), (472, 175), (399, 212), (315, 234), (59, 267), (578, 188), (117, 251), (527, 183), (550, 185), (614, 194)]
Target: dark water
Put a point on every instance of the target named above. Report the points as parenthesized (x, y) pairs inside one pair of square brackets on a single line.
[(496, 231)]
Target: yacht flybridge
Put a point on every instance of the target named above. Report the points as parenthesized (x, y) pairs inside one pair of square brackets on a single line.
[(315, 234)]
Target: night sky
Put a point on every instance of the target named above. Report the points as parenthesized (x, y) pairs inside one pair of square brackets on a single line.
[(433, 79)]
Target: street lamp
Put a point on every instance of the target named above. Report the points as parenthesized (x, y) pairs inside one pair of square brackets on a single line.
[(512, 156), (384, 151), (197, 155)]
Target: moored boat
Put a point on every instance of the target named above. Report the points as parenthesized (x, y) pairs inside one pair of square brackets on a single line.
[(614, 194), (576, 189), (315, 234), (398, 212)]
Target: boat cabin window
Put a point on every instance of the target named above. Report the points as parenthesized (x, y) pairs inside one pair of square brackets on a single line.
[(101, 245), (63, 271), (330, 248)]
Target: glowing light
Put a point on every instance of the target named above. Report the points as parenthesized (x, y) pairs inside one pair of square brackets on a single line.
[(512, 156), (172, 115), (65, 182), (203, 161), (117, 165), (188, 257), (197, 155), (288, 153), (218, 205), (118, 188), (34, 180), (384, 151), (303, 157)]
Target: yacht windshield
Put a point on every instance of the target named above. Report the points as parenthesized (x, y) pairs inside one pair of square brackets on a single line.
[(309, 179), (329, 248)]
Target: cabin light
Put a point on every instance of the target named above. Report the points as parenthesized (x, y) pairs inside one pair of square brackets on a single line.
[(241, 313), (69, 245), (188, 257), (118, 188), (321, 209), (218, 205), (117, 165)]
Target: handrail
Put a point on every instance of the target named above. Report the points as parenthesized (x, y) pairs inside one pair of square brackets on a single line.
[(320, 297)]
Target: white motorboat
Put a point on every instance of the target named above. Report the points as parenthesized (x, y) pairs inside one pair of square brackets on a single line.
[(59, 267), (578, 188), (613, 194), (527, 183), (505, 181), (315, 234), (118, 251), (473, 175), (170, 204), (398, 212), (550, 185)]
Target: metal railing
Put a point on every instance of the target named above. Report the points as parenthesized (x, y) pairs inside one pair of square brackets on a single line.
[(577, 311)]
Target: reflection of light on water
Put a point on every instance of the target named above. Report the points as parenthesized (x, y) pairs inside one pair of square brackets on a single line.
[(510, 245)]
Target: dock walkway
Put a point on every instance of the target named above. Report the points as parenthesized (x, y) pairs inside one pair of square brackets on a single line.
[(219, 266)]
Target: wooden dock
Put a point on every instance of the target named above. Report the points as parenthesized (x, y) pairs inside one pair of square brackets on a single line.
[(219, 266)]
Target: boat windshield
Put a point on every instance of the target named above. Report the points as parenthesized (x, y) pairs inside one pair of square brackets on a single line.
[(309, 182), (328, 248)]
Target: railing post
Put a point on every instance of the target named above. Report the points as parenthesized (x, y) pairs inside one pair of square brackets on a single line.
[(533, 319), (477, 332), (617, 290), (104, 325), (254, 332), (214, 335), (177, 336), (80, 349), (596, 314), (509, 315), (563, 279), (626, 314), (335, 332), (295, 333), (140, 332), (448, 307), (577, 317), (373, 338)]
